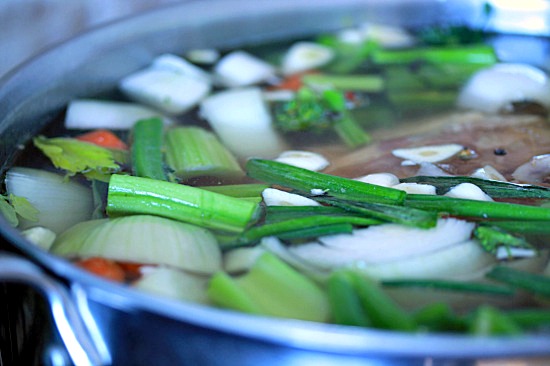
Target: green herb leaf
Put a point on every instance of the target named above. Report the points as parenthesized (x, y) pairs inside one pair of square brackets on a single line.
[(24, 208), (76, 156), (8, 211)]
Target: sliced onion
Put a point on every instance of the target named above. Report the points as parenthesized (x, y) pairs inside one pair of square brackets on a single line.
[(383, 243), (493, 89), (303, 56), (239, 68), (95, 114), (143, 239), (241, 259), (61, 203), (181, 66), (242, 120), (173, 283)]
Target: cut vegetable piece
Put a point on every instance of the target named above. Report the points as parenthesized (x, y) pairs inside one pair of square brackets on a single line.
[(135, 195), (363, 83), (194, 151), (242, 120), (240, 260), (276, 197), (181, 66), (93, 114), (205, 56), (61, 203), (143, 239), (271, 288), (303, 159), (75, 156), (166, 90), (385, 243), (493, 90), (428, 154), (488, 173), (305, 181), (147, 149), (173, 283), (240, 68), (303, 56), (534, 171), (468, 191), (379, 179), (415, 188), (40, 236), (103, 138)]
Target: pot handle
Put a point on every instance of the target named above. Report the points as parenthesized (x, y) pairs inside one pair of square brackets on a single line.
[(66, 317)]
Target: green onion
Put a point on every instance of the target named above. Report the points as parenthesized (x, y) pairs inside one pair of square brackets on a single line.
[(390, 213), (255, 233), (523, 227), (147, 150), (364, 83), (271, 288), (305, 181), (478, 209), (281, 213), (346, 305), (439, 317), (475, 54), (135, 195), (491, 238), (534, 283), (493, 188), (194, 151), (449, 285), (530, 318), (316, 231)]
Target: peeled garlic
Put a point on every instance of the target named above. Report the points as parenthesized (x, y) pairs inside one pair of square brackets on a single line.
[(276, 197), (428, 154), (489, 173), (416, 188), (303, 56), (468, 191), (380, 179), (303, 159)]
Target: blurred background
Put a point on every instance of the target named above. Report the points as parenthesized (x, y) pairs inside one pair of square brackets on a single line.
[(29, 26)]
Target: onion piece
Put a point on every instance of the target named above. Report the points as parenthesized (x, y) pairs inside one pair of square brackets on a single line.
[(181, 66), (493, 89), (205, 56), (383, 243), (241, 259), (61, 203), (303, 159), (143, 239), (40, 236), (173, 283), (95, 114), (169, 91), (534, 171), (242, 120), (303, 56), (239, 68)]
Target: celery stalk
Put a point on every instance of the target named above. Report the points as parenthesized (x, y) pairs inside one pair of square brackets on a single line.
[(490, 321), (194, 151), (271, 288), (365, 83), (475, 54), (135, 195), (147, 156), (346, 306), (239, 190), (534, 283)]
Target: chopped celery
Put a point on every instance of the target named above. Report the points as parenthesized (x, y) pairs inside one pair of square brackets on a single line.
[(364, 83), (491, 238), (147, 145), (135, 195), (439, 317), (346, 305), (76, 156), (305, 181), (194, 151), (13, 206), (271, 288), (486, 320), (473, 54)]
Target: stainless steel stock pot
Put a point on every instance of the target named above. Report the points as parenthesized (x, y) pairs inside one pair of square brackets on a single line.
[(103, 323)]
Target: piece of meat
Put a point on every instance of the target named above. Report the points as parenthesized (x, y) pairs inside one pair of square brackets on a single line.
[(504, 142)]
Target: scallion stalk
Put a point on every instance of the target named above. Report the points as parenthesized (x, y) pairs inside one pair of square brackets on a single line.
[(534, 283), (346, 306), (449, 285), (478, 209), (238, 190), (487, 320), (194, 151), (135, 195), (147, 149), (304, 180), (364, 83), (281, 213), (493, 188), (474, 54)]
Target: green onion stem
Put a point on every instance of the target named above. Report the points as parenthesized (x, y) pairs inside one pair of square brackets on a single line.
[(238, 190), (147, 149), (471, 54), (534, 283), (364, 83), (304, 180), (449, 285)]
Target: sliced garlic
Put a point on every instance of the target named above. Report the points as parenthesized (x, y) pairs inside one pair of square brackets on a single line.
[(380, 179), (468, 191), (239, 68), (507, 253), (205, 56), (303, 56), (180, 65), (489, 173), (415, 188), (276, 197), (303, 159), (428, 154)]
